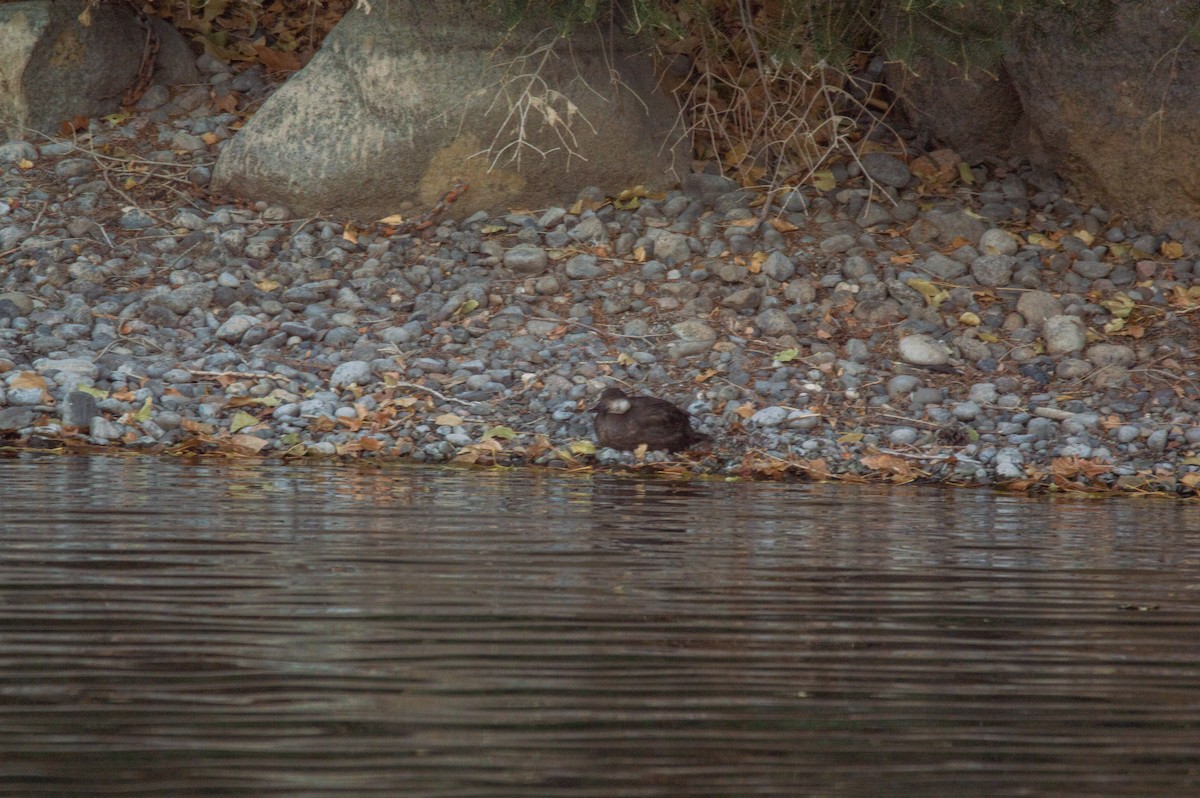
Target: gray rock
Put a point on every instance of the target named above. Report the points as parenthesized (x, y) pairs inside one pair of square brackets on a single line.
[(923, 350), (779, 267), (993, 270), (605, 141), (102, 430), (998, 242), (1010, 463), (1092, 269), (872, 214), (774, 322), (694, 330), (771, 416), (186, 297), (966, 411), (1111, 354), (17, 150), (672, 248), (903, 436), (743, 299), (23, 303), (352, 372), (1037, 306), (15, 418), (838, 243), (235, 327), (1064, 334), (886, 169), (584, 267), (955, 225), (526, 259), (705, 187), (590, 231), (134, 219), (902, 385), (74, 365), (944, 267), (79, 409)]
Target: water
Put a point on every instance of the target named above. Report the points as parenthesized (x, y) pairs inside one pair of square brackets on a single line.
[(195, 629)]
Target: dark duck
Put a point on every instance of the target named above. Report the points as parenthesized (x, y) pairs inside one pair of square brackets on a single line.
[(626, 422)]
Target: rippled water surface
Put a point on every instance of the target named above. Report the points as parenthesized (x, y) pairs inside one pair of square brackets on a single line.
[(180, 629)]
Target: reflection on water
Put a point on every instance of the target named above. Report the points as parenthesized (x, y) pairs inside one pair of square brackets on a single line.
[(266, 629)]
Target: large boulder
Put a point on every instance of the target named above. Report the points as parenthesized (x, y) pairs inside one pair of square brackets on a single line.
[(403, 101), (1117, 113), (59, 59), (1111, 107)]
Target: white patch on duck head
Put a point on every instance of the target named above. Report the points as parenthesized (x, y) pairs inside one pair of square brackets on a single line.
[(617, 406)]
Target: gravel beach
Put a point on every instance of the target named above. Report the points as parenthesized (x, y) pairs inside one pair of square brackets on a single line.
[(892, 328)]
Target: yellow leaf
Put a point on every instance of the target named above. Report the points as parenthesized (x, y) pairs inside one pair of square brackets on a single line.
[(241, 419), (964, 173), (1043, 241), (499, 432), (639, 254), (96, 392), (395, 218), (267, 285), (783, 226), (582, 447), (467, 307), (745, 411), (933, 295), (1172, 250), (349, 233), (989, 338), (824, 180), (1084, 236), (24, 163), (448, 420), (1114, 326), (625, 360), (787, 355), (143, 414), (744, 222), (851, 437), (969, 319)]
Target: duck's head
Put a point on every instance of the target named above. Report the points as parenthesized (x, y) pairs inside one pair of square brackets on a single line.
[(612, 400)]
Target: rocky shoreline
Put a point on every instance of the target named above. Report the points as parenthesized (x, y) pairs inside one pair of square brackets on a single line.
[(893, 327)]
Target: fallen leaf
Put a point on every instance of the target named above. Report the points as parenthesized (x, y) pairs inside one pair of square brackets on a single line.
[(245, 444), (499, 432), (824, 180), (783, 225), (787, 355), (1172, 250), (28, 379), (582, 447), (448, 420), (144, 414), (198, 427), (241, 419)]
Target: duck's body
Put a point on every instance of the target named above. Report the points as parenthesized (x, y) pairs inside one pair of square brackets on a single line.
[(626, 422)]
